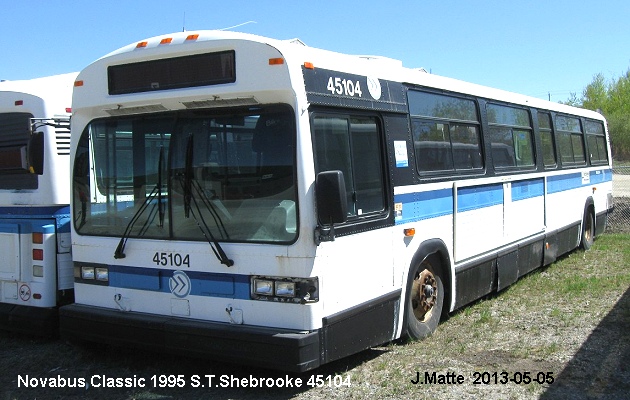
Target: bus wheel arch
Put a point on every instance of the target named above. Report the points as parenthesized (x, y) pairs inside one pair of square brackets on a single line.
[(427, 297), (588, 225)]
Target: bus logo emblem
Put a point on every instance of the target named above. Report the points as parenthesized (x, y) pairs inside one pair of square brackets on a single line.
[(180, 284), (374, 87)]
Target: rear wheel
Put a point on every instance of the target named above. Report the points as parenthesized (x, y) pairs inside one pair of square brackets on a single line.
[(425, 299), (588, 229)]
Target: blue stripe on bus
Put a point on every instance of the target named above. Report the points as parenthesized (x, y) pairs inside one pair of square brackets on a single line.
[(561, 183), (601, 176), (476, 197), (523, 190), (34, 219), (436, 203), (26, 227), (202, 283), (34, 211), (424, 205), (9, 228)]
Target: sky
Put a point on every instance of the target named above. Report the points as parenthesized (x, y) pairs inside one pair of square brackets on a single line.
[(542, 48)]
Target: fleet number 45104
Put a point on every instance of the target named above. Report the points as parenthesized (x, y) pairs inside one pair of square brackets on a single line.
[(345, 87), (171, 259)]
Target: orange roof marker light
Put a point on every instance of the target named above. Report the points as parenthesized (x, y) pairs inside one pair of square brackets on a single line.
[(276, 61), (78, 83), (141, 45), (192, 37), (309, 65), (166, 41)]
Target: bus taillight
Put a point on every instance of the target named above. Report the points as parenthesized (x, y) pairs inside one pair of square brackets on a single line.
[(38, 254), (38, 271)]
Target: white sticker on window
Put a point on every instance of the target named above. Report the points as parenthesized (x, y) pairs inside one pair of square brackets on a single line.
[(400, 151)]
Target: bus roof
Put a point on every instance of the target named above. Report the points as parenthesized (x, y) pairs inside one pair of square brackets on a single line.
[(43, 87), (296, 52)]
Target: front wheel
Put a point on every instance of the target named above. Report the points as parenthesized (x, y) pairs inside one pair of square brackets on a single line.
[(425, 299)]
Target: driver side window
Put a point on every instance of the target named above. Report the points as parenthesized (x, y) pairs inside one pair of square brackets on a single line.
[(352, 145)]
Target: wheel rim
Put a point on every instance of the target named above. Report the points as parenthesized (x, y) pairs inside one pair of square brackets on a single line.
[(423, 295)]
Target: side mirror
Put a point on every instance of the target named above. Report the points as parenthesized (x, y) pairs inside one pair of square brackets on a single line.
[(36, 153), (332, 205)]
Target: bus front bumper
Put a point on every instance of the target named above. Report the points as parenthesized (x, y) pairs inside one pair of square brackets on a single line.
[(264, 347)]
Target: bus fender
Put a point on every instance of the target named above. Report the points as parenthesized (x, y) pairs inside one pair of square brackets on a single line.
[(589, 203)]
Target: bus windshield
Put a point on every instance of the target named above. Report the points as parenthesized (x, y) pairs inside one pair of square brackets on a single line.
[(188, 175)]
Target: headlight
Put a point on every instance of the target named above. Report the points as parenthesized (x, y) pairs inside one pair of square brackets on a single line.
[(102, 274), (87, 272), (95, 274), (285, 289), (263, 287)]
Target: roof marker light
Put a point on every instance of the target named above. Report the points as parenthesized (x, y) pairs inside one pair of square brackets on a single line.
[(276, 61), (78, 83), (141, 45), (166, 40), (19, 102), (309, 65), (192, 37)]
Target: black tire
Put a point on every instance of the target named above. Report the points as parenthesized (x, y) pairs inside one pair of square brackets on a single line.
[(588, 230), (425, 299)]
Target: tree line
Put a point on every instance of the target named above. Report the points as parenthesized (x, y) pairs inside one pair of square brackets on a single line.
[(612, 99)]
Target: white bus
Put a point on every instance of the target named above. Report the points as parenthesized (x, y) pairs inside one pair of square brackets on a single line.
[(260, 201), (36, 273)]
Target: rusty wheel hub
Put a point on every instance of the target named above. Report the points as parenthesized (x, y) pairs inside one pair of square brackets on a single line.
[(424, 294)]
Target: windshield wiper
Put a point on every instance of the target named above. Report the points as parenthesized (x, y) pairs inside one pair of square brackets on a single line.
[(120, 249), (190, 199), (156, 192)]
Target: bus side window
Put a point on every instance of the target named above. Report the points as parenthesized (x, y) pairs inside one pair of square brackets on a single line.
[(546, 134), (353, 146), (445, 133), (570, 138), (510, 136), (596, 141)]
